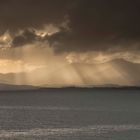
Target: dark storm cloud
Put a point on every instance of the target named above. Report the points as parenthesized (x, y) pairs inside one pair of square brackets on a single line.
[(19, 14), (100, 25), (27, 37), (94, 24), (106, 18)]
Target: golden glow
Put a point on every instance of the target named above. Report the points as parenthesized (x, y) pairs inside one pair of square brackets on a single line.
[(47, 30), (89, 58), (5, 38), (39, 65), (63, 74), (13, 66), (42, 67)]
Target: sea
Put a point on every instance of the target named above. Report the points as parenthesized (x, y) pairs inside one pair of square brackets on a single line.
[(70, 114)]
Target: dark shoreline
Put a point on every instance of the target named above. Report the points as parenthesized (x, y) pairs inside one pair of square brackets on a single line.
[(70, 89)]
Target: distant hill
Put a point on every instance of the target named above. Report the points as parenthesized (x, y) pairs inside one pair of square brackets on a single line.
[(6, 87)]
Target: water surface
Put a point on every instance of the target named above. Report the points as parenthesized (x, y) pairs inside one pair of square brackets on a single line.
[(70, 114)]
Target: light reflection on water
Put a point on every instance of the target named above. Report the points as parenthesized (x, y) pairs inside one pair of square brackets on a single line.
[(96, 130)]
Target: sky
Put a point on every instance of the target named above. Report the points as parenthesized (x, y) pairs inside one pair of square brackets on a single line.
[(54, 43)]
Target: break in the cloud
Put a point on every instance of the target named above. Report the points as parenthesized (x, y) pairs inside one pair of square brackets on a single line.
[(65, 32)]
